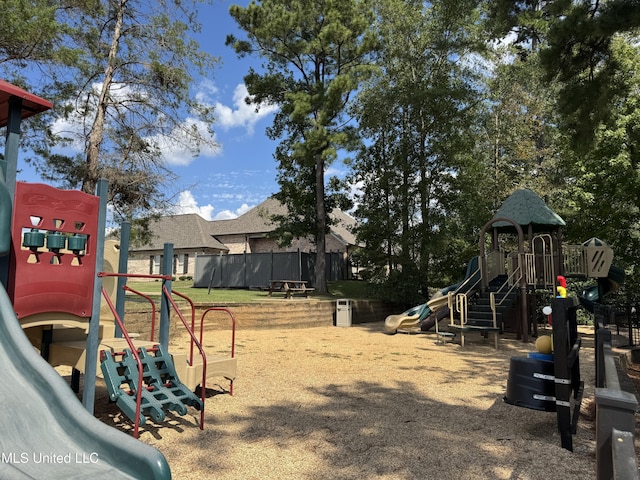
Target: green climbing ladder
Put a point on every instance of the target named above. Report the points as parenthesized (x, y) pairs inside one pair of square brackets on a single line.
[(161, 390)]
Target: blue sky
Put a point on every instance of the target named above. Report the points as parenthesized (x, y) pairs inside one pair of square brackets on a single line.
[(225, 182), (242, 173)]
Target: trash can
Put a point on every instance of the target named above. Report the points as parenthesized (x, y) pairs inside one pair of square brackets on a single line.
[(531, 384), (343, 313)]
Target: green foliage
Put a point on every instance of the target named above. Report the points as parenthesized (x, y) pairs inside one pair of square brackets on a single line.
[(441, 128), (589, 53), (399, 288), (30, 32), (527, 19), (119, 74), (604, 192), (415, 115), (316, 55)]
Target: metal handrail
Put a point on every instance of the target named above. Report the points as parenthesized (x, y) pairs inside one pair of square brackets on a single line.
[(201, 332), (548, 267), (193, 323), (134, 352), (469, 278), (462, 304), (153, 308), (198, 344), (233, 333), (492, 297)]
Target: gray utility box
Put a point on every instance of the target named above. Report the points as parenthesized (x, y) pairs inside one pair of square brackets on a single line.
[(343, 312)]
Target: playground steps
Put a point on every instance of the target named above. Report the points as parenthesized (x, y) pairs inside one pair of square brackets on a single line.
[(162, 391), (69, 348), (481, 315), (217, 366), (484, 331)]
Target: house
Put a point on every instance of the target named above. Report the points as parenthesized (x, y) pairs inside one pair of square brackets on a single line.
[(192, 235)]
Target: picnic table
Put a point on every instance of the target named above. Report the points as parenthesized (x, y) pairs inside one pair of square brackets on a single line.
[(289, 287)]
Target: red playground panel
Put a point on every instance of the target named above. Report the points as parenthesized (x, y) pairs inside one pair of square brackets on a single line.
[(53, 259)]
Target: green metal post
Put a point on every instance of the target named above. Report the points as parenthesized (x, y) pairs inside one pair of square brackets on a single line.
[(8, 168), (10, 164), (165, 306), (91, 354), (123, 265)]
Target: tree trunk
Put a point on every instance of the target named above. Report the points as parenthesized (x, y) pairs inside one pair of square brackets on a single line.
[(321, 226), (96, 135)]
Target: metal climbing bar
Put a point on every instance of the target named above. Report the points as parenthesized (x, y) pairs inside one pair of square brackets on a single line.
[(233, 334), (198, 344), (135, 355), (153, 308), (201, 329), (193, 323), (166, 294)]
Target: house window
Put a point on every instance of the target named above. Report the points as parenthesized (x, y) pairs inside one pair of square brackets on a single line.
[(155, 265), (181, 264)]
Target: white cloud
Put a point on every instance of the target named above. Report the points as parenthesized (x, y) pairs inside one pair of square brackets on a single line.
[(188, 204), (335, 171), (241, 114), (229, 215), (206, 90), (178, 147), (186, 141)]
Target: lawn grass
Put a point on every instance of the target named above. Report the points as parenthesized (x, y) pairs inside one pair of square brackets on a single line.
[(338, 289)]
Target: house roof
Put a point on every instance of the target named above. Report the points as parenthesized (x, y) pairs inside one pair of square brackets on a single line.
[(344, 228), (257, 222), (254, 221), (193, 231), (526, 208), (184, 231)]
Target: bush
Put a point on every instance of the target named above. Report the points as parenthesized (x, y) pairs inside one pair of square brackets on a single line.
[(399, 289)]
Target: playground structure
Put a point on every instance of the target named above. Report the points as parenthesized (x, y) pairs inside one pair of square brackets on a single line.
[(503, 297), (428, 314), (55, 267), (503, 293), (42, 415)]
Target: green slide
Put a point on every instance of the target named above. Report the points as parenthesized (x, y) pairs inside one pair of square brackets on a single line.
[(47, 433), (591, 296)]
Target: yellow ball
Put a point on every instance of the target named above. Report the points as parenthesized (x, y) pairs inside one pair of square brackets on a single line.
[(544, 344)]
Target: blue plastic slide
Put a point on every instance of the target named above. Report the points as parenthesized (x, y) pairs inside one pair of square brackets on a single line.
[(47, 433)]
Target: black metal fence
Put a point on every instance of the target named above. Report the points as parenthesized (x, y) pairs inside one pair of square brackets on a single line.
[(615, 408), (256, 270), (623, 319)]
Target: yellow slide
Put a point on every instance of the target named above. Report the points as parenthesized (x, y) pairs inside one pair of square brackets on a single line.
[(415, 315)]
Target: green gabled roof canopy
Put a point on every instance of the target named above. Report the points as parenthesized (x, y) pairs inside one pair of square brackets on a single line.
[(526, 208)]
